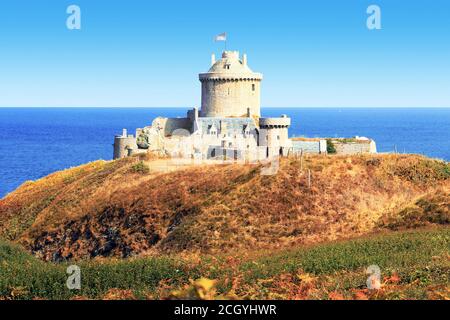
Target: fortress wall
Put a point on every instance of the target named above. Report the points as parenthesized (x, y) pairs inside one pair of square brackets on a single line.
[(307, 146), (320, 146), (353, 147)]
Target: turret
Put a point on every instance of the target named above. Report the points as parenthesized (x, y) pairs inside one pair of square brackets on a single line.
[(273, 133), (124, 145)]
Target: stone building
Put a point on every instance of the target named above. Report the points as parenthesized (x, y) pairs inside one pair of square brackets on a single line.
[(228, 125)]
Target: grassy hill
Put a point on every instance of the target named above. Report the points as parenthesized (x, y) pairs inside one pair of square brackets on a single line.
[(143, 228), (128, 207)]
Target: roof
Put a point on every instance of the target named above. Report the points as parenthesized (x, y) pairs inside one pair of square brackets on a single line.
[(231, 124)]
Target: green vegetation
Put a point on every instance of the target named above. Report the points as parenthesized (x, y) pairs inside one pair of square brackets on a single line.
[(418, 258), (140, 167), (330, 147), (143, 141), (23, 276), (387, 251)]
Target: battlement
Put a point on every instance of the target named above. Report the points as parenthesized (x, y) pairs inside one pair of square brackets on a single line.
[(281, 122)]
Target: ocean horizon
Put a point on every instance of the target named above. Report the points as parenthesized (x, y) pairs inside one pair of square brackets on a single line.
[(36, 141)]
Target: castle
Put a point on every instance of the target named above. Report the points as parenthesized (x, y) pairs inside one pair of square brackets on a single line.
[(228, 125)]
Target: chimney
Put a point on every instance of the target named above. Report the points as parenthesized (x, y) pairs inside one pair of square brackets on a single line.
[(244, 59), (124, 132), (213, 59)]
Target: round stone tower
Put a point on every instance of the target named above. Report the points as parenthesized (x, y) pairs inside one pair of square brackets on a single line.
[(230, 88), (124, 145)]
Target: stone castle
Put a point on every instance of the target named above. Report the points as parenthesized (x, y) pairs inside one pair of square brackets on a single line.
[(227, 126)]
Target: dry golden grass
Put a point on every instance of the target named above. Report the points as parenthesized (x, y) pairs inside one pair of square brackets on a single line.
[(109, 209)]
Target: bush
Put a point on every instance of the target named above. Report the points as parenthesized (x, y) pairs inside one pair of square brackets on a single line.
[(330, 146), (140, 167)]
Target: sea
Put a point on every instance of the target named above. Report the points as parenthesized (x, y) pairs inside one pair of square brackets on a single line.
[(35, 142)]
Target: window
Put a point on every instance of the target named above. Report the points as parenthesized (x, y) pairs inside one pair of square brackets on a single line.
[(278, 137), (227, 66), (246, 130), (253, 87), (212, 129)]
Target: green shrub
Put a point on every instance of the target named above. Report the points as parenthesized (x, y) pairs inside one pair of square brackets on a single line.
[(140, 167), (388, 251), (330, 146)]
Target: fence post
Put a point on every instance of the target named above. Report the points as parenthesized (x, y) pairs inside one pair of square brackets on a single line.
[(301, 160), (309, 178)]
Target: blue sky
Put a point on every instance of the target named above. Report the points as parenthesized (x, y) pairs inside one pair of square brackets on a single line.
[(148, 53)]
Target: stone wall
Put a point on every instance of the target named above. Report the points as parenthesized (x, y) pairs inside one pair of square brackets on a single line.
[(354, 147), (311, 146), (230, 97)]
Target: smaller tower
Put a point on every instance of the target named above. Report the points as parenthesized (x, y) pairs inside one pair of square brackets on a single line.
[(273, 134), (124, 145)]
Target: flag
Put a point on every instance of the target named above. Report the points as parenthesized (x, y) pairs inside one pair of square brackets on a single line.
[(221, 37)]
